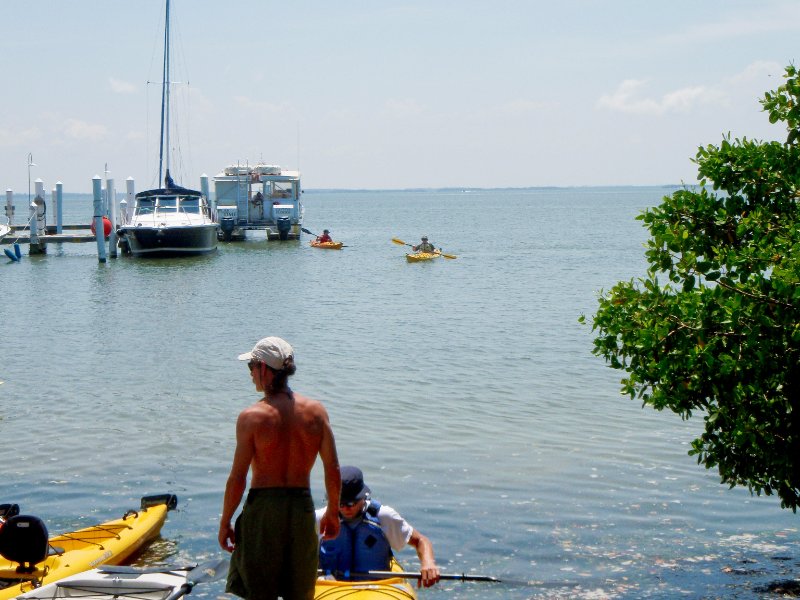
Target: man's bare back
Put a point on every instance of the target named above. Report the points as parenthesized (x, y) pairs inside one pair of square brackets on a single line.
[(286, 431)]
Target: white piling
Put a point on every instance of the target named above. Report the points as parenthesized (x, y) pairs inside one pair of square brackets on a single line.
[(97, 197), (112, 203), (59, 207), (10, 206), (34, 223), (130, 196), (54, 206), (123, 212), (37, 221), (204, 188), (39, 193)]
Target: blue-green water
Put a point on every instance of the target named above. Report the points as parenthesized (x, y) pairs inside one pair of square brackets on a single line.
[(465, 389)]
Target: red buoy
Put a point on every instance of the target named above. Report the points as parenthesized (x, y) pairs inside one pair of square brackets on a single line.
[(106, 227)]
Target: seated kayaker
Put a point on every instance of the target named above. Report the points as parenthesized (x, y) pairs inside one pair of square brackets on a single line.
[(424, 246), (325, 237), (369, 533)]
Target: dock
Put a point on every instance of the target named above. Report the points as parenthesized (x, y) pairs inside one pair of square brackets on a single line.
[(82, 233), (263, 198), (37, 233)]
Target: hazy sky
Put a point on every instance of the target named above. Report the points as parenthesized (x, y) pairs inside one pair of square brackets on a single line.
[(388, 94)]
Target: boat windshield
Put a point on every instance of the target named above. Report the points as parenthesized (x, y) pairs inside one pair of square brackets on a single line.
[(145, 206), (190, 205), (281, 191), (167, 204)]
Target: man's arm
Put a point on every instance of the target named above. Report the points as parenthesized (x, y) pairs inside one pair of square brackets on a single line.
[(427, 563), (329, 524), (237, 482)]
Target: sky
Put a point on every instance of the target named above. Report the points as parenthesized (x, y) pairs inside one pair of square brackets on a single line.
[(378, 94)]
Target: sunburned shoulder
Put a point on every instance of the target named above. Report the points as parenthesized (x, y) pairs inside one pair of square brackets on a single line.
[(256, 413), (308, 403), (301, 398), (297, 404)]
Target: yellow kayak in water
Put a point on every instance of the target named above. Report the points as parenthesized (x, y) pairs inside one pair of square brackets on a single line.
[(394, 588), (327, 245), (29, 559), (420, 256)]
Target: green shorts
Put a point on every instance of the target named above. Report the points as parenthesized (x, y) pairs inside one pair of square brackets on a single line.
[(276, 551)]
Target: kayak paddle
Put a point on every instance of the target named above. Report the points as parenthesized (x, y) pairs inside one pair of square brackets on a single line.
[(402, 243), (208, 571), (127, 570), (413, 575), (199, 574)]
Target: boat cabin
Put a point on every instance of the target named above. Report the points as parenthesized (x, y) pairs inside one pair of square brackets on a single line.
[(264, 197)]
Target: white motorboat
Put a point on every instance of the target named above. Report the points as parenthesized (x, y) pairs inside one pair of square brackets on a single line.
[(5, 228), (173, 220)]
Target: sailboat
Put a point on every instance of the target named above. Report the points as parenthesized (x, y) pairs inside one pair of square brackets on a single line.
[(171, 220)]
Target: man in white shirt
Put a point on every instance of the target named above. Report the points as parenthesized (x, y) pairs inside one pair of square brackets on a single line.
[(369, 533)]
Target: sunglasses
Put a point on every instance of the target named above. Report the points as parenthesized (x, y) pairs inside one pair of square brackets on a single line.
[(348, 504), (252, 364)]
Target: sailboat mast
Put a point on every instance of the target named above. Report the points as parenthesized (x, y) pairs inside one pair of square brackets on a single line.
[(164, 141)]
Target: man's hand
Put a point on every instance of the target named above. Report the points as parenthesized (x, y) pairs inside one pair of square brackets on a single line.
[(430, 575), (226, 537), (329, 525)]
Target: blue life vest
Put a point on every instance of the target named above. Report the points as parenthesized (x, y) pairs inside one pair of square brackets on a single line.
[(358, 548)]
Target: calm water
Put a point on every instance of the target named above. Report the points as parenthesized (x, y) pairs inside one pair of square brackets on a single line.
[(465, 389)]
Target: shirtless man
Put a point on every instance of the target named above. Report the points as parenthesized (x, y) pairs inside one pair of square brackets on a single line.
[(274, 544)]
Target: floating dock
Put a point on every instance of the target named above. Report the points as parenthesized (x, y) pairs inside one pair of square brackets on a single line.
[(37, 233), (50, 234)]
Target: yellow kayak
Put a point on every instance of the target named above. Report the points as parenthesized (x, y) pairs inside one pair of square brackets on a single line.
[(395, 588), (24, 540), (420, 256), (327, 245)]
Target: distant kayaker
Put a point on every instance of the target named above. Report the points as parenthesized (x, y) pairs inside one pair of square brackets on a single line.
[(274, 542), (424, 246), (325, 237), (369, 533)]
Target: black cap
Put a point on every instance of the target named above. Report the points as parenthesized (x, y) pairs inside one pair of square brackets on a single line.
[(353, 486)]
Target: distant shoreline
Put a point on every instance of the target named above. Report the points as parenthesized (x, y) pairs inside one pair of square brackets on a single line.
[(671, 186), (443, 190)]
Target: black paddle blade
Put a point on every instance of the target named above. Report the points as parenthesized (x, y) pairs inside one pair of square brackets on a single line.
[(414, 575)]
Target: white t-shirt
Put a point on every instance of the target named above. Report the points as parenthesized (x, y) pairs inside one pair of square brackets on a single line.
[(394, 527)]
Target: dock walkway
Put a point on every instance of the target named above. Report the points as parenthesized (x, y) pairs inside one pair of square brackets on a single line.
[(82, 233)]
